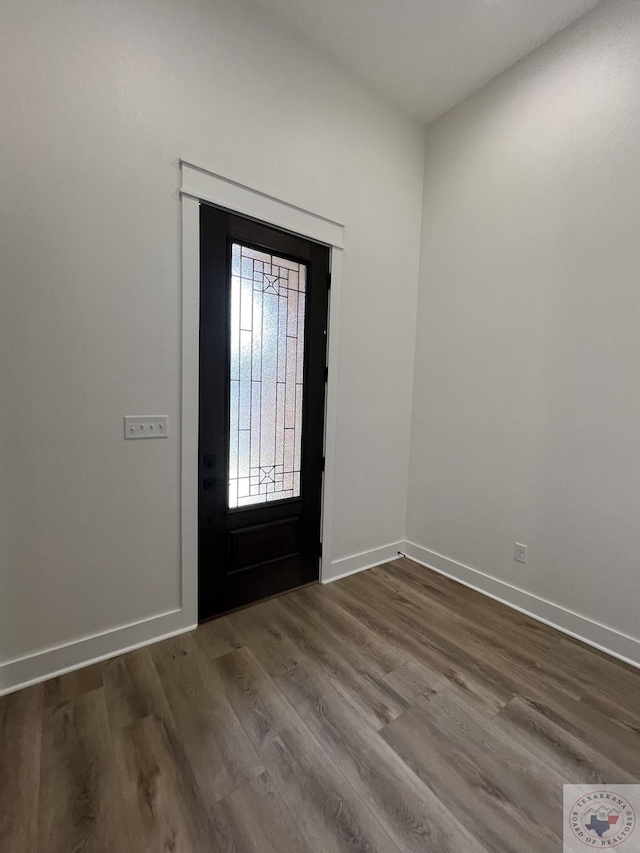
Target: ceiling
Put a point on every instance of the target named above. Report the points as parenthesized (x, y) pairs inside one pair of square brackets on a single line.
[(427, 55)]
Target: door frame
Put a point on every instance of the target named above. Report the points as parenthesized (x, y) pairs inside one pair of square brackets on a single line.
[(199, 184)]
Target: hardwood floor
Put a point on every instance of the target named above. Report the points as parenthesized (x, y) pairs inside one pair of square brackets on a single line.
[(391, 711)]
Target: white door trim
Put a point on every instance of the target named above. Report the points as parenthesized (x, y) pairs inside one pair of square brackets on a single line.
[(198, 184)]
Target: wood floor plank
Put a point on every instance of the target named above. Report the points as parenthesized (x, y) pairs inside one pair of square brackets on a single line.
[(408, 810), (132, 688), (80, 806), (14, 707), (604, 684), (218, 636), (72, 685), (494, 787), (220, 754), (275, 651), (572, 758), (463, 602), (462, 613), (20, 740), (381, 656), (332, 816), (520, 665), (499, 628), (620, 745), (162, 810), (538, 656), (616, 676), (259, 821), (369, 694), (461, 638), (483, 685)]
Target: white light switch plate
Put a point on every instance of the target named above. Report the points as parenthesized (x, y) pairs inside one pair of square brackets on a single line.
[(149, 426)]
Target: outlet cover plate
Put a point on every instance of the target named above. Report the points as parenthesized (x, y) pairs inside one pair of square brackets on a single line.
[(145, 426), (520, 553)]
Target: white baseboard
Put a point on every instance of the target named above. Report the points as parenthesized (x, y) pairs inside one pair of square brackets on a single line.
[(25, 671), (593, 633), (359, 562)]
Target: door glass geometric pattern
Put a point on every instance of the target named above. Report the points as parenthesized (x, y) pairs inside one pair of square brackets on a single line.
[(266, 376)]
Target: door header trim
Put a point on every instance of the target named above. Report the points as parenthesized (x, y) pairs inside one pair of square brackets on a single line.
[(207, 186)]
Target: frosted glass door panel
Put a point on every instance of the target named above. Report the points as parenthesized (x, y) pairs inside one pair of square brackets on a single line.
[(266, 376)]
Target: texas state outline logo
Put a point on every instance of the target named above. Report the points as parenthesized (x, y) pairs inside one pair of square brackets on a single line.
[(601, 817)]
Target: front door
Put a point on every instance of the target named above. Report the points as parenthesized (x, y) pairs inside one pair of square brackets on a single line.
[(263, 333)]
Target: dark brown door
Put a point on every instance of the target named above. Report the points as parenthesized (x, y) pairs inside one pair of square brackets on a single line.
[(263, 333)]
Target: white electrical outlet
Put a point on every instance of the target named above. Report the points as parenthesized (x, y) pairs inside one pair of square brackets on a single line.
[(520, 553), (149, 426)]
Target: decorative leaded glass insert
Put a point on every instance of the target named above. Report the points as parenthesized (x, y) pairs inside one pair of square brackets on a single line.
[(267, 361)]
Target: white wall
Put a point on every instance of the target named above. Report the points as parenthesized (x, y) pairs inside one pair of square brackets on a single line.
[(526, 420), (98, 101)]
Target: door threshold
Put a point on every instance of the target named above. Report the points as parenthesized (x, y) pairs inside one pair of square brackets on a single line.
[(259, 601)]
